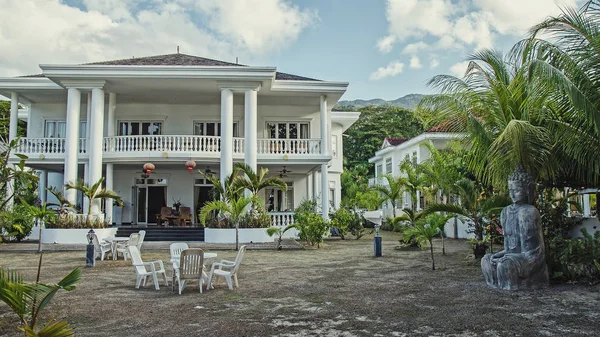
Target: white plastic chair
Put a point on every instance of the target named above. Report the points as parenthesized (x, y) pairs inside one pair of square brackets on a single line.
[(176, 248), (226, 269), (142, 236), (102, 247), (191, 267), (141, 269), (134, 239)]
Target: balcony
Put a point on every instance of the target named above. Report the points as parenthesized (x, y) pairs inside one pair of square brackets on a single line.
[(160, 144), (377, 181)]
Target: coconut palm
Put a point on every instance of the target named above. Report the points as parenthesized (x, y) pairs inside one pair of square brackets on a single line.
[(391, 192), (255, 182), (62, 202), (441, 170), (473, 205), (27, 300), (423, 234), (412, 180), (439, 220), (226, 190), (503, 109), (93, 192), (41, 214), (233, 209)]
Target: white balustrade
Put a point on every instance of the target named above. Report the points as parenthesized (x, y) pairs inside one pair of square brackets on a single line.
[(281, 219), (40, 145), (291, 146), (163, 143), (83, 143), (238, 145)]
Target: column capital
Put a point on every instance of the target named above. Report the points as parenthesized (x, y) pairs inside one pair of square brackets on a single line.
[(239, 87), (83, 84)]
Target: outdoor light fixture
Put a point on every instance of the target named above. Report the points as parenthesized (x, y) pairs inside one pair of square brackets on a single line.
[(190, 164), (148, 167), (90, 252)]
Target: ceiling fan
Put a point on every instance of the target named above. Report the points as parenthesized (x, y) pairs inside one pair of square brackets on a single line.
[(284, 171), (208, 171)]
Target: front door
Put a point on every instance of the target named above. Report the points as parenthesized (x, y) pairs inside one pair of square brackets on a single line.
[(156, 200), (204, 194), (148, 201)]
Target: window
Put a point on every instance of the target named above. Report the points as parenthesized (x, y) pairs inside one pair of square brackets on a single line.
[(388, 165), (58, 129), (203, 128), (378, 170), (331, 195), (284, 130), (334, 146), (280, 201), (135, 128)]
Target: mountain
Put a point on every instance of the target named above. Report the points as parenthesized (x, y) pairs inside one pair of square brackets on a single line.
[(409, 101)]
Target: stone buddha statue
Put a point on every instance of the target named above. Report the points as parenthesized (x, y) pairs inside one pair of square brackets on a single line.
[(522, 263)]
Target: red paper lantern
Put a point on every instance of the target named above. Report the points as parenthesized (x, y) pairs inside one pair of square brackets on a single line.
[(148, 167), (190, 164)]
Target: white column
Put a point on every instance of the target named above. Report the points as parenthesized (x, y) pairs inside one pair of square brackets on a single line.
[(72, 141), (309, 186), (226, 133), (86, 177), (324, 192), (112, 106), (42, 185), (315, 184), (96, 135), (109, 186), (14, 116), (586, 205), (324, 126), (250, 127), (88, 116)]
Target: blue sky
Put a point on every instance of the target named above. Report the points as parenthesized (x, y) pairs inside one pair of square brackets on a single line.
[(384, 48)]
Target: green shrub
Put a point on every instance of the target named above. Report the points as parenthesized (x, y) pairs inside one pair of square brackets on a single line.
[(17, 223), (575, 259), (356, 227), (312, 228), (70, 221), (341, 219)]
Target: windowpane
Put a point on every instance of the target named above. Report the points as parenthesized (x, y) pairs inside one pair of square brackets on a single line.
[(49, 130), (219, 129), (293, 131), (82, 129), (134, 129), (157, 128), (304, 131), (379, 170), (210, 129), (272, 127), (123, 129), (282, 131), (235, 130), (198, 129), (146, 128), (388, 165)]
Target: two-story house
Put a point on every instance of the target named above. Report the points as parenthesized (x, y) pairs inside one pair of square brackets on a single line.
[(109, 119)]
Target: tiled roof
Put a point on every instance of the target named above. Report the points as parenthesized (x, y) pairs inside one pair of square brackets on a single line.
[(394, 141), (183, 60), (442, 127)]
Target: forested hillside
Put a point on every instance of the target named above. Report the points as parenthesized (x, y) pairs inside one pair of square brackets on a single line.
[(409, 101)]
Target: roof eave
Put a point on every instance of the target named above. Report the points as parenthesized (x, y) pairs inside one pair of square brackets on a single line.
[(345, 118), (309, 86)]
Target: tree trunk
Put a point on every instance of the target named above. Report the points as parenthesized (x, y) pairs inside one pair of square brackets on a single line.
[(40, 237), (598, 205), (432, 260), (237, 235), (443, 243)]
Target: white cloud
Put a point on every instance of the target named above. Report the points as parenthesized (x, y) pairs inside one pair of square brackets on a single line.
[(385, 44), (459, 69), (392, 69), (119, 29), (434, 63), (415, 62), (414, 48)]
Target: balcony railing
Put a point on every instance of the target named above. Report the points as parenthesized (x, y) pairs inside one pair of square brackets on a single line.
[(281, 219), (46, 145), (170, 143), (292, 146), (377, 181)]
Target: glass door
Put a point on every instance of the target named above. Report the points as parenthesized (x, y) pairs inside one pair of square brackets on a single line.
[(142, 205)]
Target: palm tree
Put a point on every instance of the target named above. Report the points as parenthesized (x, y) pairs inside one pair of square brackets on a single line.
[(391, 192), (226, 190), (254, 182), (93, 192), (473, 206), (441, 170), (412, 180), (27, 300), (503, 109), (63, 202), (275, 230), (234, 209), (423, 234), (439, 220), (41, 214)]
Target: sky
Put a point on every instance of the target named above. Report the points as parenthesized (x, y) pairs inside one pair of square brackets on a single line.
[(383, 48)]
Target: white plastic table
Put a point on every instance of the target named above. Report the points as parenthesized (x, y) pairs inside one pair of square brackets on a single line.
[(113, 244)]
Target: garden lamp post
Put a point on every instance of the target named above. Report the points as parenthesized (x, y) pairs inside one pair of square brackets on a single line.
[(90, 258), (377, 242)]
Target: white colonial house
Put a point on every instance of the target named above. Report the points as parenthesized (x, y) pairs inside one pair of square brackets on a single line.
[(108, 119)]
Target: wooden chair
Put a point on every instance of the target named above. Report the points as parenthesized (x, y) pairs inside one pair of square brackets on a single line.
[(185, 215), (165, 212)]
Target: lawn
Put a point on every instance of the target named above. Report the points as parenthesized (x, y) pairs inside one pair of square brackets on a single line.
[(338, 290)]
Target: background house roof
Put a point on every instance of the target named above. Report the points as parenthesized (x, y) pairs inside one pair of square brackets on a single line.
[(183, 60), (393, 141)]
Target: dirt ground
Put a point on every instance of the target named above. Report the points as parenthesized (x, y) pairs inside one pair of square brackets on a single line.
[(338, 290)]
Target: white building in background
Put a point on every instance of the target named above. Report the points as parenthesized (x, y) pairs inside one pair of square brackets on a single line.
[(394, 151), (108, 119)]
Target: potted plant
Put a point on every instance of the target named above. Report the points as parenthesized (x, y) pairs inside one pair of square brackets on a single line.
[(176, 205)]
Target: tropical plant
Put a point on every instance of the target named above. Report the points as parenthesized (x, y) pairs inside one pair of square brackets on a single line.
[(311, 226), (62, 202), (423, 234), (16, 222), (439, 221), (576, 259), (356, 227), (233, 209), (42, 215), (341, 219), (504, 110), (392, 191), (441, 170), (226, 190), (412, 180), (275, 230), (14, 178), (474, 206), (27, 300), (93, 192)]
